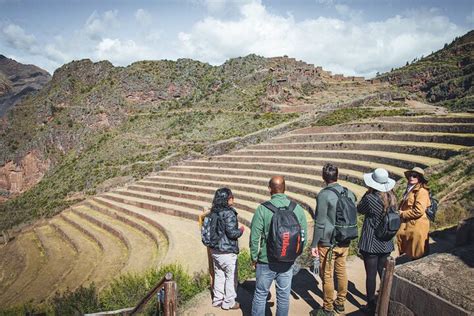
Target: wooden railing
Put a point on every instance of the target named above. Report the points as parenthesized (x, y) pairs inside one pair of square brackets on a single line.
[(385, 288), (166, 302)]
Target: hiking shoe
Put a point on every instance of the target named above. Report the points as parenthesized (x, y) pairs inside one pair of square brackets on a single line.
[(321, 312), (339, 308)]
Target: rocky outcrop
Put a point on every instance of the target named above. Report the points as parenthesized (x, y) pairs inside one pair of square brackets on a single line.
[(18, 81), (18, 177)]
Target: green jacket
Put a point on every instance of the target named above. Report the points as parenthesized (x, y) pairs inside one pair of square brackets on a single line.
[(260, 227), (326, 215)]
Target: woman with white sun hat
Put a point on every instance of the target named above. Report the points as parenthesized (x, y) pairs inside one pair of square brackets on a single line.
[(374, 204)]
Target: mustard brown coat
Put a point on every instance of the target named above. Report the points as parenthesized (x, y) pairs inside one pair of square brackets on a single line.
[(412, 238)]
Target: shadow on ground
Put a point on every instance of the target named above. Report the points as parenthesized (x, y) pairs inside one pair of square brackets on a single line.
[(304, 287)]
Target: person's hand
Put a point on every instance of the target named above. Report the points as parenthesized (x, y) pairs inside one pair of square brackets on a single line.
[(242, 228), (315, 252), (254, 265)]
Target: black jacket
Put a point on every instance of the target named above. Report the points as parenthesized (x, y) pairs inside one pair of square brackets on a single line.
[(229, 230)]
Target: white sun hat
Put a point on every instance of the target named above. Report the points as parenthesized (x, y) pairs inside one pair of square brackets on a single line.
[(379, 180)]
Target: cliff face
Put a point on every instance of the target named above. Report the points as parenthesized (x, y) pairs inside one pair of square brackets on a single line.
[(18, 81), (22, 175)]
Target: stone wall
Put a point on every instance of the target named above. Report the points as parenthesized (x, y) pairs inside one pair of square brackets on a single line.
[(439, 284)]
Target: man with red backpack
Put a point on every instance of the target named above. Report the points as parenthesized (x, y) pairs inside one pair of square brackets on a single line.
[(335, 225), (277, 238)]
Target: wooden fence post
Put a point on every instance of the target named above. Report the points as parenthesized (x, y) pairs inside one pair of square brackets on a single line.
[(385, 288), (170, 298)]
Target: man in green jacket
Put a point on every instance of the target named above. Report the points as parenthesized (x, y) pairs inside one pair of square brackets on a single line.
[(320, 247), (267, 271)]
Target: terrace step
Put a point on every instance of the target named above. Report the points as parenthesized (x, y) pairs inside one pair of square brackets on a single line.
[(60, 261), (152, 230), (190, 204), (253, 184), (36, 261), (183, 234), (345, 165), (424, 137), (405, 161), (12, 264), (246, 176), (115, 254), (391, 126), (451, 118), (350, 175), (434, 150), (89, 254), (141, 247), (245, 194)]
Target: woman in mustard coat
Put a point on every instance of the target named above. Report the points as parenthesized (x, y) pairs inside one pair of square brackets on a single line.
[(412, 238)]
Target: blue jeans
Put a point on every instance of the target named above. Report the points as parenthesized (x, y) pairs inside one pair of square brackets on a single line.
[(266, 273)]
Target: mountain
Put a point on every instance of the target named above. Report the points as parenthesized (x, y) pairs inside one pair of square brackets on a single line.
[(443, 78), (18, 81), (95, 124)]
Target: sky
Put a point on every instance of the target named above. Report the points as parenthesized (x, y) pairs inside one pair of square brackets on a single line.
[(352, 37)]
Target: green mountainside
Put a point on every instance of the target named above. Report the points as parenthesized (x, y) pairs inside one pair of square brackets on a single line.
[(94, 122), (444, 77)]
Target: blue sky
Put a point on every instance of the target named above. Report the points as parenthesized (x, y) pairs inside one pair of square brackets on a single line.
[(358, 37)]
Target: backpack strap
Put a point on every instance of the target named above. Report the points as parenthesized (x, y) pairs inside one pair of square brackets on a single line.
[(334, 190), (275, 209)]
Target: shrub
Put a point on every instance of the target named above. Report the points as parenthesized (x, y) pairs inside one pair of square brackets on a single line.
[(128, 289), (244, 265), (82, 300)]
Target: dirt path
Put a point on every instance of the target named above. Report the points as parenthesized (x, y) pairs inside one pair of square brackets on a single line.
[(306, 294)]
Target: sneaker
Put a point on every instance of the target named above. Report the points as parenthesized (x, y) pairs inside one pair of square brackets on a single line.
[(235, 306), (339, 308)]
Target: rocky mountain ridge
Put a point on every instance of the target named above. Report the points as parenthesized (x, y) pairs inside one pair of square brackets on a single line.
[(18, 81), (444, 77)]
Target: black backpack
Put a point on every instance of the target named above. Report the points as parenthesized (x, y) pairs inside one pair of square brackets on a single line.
[(345, 227), (432, 209), (389, 225), (210, 230), (285, 240)]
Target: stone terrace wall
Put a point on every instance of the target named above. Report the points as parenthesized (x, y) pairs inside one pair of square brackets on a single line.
[(439, 284)]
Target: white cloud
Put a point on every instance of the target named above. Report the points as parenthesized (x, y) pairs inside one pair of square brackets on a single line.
[(17, 38), (143, 17), (98, 25), (341, 45), (218, 6), (121, 52), (325, 2), (346, 44)]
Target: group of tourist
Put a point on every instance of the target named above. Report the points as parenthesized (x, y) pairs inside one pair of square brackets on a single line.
[(276, 238)]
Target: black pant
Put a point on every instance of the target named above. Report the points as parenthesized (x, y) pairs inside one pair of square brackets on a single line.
[(373, 262)]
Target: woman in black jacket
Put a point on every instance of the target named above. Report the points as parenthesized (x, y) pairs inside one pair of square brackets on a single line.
[(224, 255), (375, 202)]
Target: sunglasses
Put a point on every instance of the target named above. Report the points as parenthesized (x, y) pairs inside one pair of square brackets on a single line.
[(412, 175)]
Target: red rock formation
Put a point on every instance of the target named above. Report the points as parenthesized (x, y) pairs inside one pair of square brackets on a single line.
[(17, 178)]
